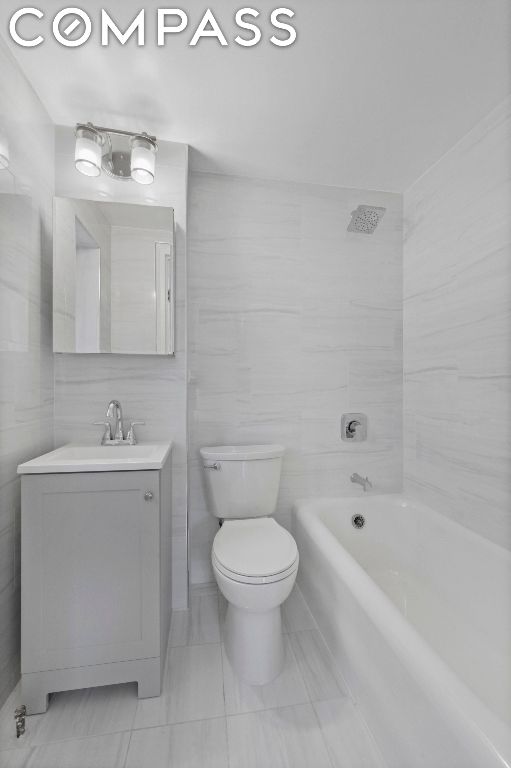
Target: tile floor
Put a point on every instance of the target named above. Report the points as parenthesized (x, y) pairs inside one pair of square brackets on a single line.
[(206, 717)]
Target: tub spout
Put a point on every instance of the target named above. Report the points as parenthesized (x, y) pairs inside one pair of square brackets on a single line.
[(363, 481)]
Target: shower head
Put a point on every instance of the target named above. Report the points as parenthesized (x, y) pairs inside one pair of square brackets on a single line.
[(365, 219)]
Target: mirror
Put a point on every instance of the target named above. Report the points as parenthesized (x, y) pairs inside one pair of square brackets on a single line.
[(113, 278)]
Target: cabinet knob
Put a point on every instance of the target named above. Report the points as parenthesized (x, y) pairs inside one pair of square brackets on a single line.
[(148, 496)]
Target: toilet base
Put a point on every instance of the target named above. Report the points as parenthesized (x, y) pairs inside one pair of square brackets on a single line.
[(254, 643)]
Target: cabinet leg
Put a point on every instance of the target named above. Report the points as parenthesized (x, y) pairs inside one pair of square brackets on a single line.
[(34, 694), (149, 682)]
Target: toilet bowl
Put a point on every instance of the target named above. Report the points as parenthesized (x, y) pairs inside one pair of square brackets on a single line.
[(255, 560)]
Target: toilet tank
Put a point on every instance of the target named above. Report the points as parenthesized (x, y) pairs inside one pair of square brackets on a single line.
[(242, 480)]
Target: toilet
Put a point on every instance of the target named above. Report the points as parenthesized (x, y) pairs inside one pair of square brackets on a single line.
[(255, 560)]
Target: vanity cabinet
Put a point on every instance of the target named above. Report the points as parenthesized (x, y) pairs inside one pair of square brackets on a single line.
[(95, 590)]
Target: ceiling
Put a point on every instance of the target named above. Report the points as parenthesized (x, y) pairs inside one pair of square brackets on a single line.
[(372, 93)]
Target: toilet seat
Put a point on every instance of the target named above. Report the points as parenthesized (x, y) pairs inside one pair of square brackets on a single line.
[(254, 551)]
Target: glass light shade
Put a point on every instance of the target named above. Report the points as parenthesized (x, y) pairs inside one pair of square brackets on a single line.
[(88, 151), (143, 160), (4, 153)]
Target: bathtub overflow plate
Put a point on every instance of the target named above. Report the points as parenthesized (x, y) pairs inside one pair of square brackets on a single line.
[(358, 521)]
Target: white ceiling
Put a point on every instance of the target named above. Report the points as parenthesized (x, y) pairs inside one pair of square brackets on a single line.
[(371, 94)]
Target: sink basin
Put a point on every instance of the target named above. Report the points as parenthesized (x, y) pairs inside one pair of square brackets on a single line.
[(98, 458)]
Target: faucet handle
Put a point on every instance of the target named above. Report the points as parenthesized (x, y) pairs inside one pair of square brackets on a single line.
[(107, 434), (131, 437)]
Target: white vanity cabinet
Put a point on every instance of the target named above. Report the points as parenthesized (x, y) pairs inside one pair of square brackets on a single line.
[(95, 580)]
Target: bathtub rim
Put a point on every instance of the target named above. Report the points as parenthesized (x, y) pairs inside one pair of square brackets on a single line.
[(424, 664)]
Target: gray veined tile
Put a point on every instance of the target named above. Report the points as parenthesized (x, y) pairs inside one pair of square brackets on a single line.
[(288, 737), (317, 666), (15, 758), (206, 588), (296, 614), (199, 624), (192, 688), (222, 610), (287, 688), (186, 745), (349, 741), (107, 751), (87, 712)]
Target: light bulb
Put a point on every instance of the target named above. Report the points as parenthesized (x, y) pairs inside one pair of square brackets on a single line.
[(88, 151), (143, 159)]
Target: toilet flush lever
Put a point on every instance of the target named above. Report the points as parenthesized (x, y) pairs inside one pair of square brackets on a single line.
[(215, 465)]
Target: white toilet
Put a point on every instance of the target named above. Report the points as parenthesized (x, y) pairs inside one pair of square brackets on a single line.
[(255, 559)]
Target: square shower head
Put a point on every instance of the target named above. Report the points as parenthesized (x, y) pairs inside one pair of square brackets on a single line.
[(365, 219)]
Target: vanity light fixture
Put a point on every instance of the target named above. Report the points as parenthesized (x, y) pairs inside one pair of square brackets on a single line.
[(122, 155)]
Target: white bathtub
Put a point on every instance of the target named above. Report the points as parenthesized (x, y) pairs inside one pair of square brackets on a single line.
[(417, 611)]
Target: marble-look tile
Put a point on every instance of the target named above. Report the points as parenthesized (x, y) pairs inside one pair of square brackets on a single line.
[(15, 758), (283, 304), (347, 737), (457, 332), (186, 745), (192, 688), (287, 688), (96, 752), (199, 624), (296, 614), (317, 666), (222, 611), (87, 712), (279, 738)]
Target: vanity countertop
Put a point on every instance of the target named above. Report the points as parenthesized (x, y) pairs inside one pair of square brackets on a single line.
[(98, 458)]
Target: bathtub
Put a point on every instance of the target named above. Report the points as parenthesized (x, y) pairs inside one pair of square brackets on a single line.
[(416, 610)]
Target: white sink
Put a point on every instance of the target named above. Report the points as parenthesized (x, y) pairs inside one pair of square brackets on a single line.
[(98, 458)]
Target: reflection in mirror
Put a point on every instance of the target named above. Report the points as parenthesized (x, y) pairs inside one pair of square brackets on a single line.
[(113, 278)]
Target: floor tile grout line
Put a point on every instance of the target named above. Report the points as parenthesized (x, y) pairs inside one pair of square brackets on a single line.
[(344, 691), (177, 722), (334, 663), (128, 750), (195, 645), (223, 677), (306, 689), (370, 734), (276, 709), (88, 736), (227, 742), (325, 743), (133, 723)]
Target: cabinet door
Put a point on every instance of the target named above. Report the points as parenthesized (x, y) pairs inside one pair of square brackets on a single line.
[(90, 568)]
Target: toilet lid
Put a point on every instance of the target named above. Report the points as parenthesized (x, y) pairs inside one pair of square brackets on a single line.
[(254, 547)]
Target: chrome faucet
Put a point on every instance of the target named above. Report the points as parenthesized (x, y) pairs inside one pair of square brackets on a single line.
[(115, 436), (363, 481), (114, 409)]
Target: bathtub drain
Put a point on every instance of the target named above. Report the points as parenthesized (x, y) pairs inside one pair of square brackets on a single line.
[(358, 521)]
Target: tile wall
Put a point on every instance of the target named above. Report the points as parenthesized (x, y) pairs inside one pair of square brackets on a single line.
[(292, 321), (457, 331)]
